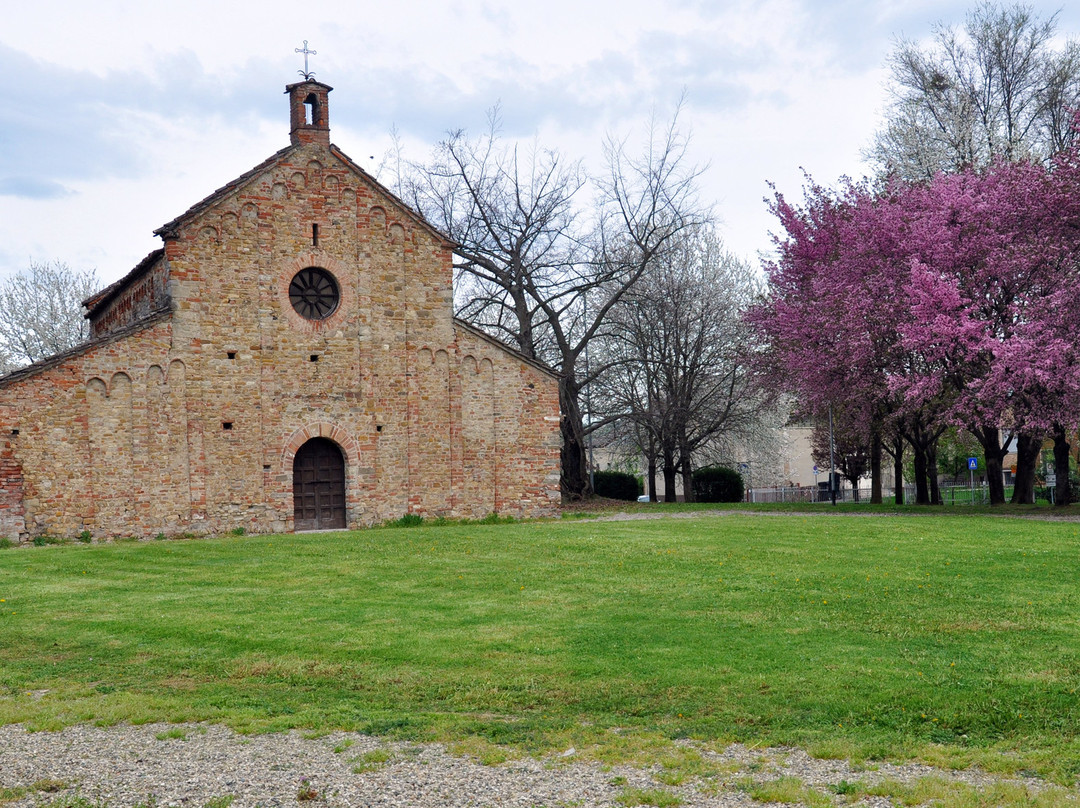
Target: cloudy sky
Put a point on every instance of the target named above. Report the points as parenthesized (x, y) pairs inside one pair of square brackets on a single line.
[(117, 115)]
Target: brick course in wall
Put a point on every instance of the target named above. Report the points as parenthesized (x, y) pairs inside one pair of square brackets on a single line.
[(201, 382)]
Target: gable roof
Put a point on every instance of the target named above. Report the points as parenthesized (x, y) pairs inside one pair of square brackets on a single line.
[(89, 345), (170, 229), (498, 343), (408, 210), (103, 297)]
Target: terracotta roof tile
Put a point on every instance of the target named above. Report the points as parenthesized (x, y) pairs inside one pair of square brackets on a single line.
[(57, 359), (498, 343), (169, 228), (414, 215), (102, 298)]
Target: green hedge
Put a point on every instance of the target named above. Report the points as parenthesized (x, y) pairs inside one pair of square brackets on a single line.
[(717, 484), (616, 485)]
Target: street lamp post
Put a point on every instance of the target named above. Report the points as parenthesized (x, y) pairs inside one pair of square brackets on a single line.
[(832, 460)]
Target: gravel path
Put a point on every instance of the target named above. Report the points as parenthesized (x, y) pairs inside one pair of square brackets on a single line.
[(149, 765)]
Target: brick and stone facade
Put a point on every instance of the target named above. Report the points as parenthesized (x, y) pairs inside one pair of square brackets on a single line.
[(202, 380)]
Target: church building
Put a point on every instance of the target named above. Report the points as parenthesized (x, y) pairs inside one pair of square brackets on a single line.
[(287, 360)]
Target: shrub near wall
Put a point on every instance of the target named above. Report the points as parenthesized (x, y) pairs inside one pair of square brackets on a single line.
[(717, 484), (616, 485)]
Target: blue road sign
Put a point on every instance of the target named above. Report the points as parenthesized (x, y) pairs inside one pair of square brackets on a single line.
[(973, 463)]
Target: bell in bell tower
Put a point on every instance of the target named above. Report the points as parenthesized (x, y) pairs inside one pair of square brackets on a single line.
[(308, 110)]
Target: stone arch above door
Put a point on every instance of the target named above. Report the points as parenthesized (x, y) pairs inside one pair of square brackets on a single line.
[(320, 429)]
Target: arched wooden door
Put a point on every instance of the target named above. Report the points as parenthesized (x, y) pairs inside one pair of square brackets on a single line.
[(319, 486)]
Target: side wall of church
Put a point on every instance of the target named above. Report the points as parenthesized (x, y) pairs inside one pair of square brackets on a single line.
[(12, 509), (510, 435), (97, 442)]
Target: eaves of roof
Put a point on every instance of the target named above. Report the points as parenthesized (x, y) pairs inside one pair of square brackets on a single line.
[(169, 229), (102, 298), (498, 343), (414, 215), (57, 359)]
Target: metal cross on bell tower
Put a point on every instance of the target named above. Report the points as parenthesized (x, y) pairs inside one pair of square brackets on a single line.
[(307, 74)]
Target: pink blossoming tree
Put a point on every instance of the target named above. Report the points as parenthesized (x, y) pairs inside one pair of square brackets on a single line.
[(912, 307)]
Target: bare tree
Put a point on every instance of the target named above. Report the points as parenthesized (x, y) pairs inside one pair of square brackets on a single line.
[(539, 272), (683, 380), (995, 90), (41, 312), (512, 213), (647, 201)]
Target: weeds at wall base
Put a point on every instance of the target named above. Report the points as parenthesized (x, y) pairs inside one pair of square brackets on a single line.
[(416, 520), (41, 541)]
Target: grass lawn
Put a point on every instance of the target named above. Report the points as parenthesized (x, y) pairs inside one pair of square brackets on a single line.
[(953, 638)]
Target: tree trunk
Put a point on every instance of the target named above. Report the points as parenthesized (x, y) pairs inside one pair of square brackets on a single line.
[(922, 492), (687, 481), (523, 312), (669, 476), (993, 452), (685, 468), (898, 469), (1063, 492), (854, 488), (652, 479), (875, 467), (1028, 448), (932, 472), (575, 469), (995, 483)]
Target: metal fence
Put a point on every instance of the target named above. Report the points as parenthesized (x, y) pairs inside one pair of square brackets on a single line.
[(950, 494), (787, 493)]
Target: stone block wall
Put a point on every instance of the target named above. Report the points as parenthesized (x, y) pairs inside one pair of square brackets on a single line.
[(191, 422), (12, 511)]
